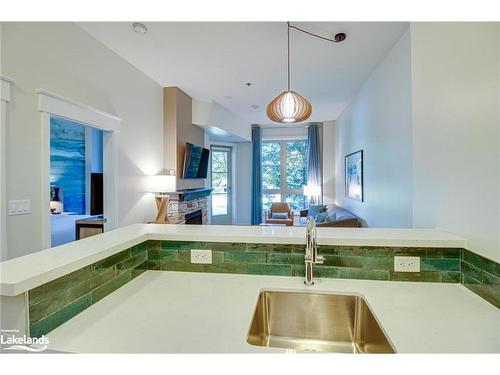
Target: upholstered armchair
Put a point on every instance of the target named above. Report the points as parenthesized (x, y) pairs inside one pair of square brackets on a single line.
[(280, 213)]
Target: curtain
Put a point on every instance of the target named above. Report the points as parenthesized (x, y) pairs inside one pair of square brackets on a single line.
[(314, 163), (256, 176)]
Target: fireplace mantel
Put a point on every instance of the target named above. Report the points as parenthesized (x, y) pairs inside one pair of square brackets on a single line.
[(190, 194)]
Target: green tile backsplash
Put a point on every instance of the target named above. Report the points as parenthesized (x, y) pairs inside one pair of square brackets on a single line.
[(482, 276), (57, 301), (52, 304)]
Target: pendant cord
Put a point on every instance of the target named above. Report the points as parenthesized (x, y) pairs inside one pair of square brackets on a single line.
[(310, 33), (288, 54)]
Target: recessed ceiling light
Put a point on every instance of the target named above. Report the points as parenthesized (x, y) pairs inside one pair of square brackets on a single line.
[(139, 28), (248, 83), (255, 106)]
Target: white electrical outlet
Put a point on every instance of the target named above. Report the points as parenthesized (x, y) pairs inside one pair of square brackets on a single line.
[(407, 264), (201, 256)]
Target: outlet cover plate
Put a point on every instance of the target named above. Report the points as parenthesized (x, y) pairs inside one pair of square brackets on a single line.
[(201, 256), (406, 264)]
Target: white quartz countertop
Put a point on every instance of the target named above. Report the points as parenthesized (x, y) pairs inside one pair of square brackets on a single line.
[(181, 312), (24, 273)]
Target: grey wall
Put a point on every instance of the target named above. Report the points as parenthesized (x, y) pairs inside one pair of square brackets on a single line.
[(243, 183)]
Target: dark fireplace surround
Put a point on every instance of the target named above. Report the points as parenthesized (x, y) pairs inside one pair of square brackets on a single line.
[(195, 217)]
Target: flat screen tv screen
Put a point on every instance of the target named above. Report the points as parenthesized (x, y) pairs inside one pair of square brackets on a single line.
[(195, 161)]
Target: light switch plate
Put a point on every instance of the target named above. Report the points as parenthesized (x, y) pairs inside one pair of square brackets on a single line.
[(201, 256), (406, 264), (19, 207)]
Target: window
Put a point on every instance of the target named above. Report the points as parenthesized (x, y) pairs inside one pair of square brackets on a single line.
[(284, 173)]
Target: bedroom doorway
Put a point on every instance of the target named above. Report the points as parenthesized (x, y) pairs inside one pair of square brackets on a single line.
[(76, 181)]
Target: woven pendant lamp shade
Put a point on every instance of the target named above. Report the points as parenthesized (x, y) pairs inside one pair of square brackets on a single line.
[(289, 107)]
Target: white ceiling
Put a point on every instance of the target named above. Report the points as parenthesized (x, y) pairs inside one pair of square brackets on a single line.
[(212, 61)]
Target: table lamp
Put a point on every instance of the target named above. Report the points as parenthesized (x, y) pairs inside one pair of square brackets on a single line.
[(161, 185)]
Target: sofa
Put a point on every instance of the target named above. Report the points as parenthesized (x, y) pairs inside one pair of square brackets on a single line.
[(343, 218), (279, 208)]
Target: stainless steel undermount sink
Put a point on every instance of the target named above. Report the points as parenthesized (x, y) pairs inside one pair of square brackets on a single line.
[(319, 322)]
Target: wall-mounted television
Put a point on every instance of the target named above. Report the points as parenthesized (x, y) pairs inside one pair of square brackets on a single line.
[(195, 161)]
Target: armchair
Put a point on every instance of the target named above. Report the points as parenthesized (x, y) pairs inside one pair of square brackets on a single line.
[(279, 208)]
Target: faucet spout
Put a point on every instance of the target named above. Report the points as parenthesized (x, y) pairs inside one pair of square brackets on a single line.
[(311, 256)]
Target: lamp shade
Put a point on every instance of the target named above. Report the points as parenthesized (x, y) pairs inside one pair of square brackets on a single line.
[(162, 183), (312, 190), (289, 107)]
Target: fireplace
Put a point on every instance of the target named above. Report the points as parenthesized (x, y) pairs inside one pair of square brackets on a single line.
[(195, 217)]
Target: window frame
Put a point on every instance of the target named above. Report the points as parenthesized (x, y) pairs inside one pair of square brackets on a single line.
[(284, 191)]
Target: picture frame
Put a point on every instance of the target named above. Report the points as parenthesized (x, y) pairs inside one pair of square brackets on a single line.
[(354, 176)]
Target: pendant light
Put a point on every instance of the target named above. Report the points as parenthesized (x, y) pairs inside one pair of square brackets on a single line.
[(289, 106)]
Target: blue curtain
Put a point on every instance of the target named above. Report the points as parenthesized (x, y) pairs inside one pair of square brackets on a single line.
[(256, 176), (314, 161)]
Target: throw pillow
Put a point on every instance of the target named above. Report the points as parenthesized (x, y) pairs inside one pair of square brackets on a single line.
[(315, 209), (331, 217), (321, 217), (279, 215)]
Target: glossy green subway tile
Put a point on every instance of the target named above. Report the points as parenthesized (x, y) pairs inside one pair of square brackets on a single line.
[(275, 248), (218, 256), (327, 249), (451, 276), (223, 246), (443, 253), (323, 271), (225, 268), (153, 245), (285, 258), (157, 254), (180, 245), (487, 292), (132, 262), (357, 262), (439, 264), (73, 291), (112, 260), (60, 316), (139, 269), (58, 285), (269, 269), (298, 270), (408, 251), (471, 271), (489, 279), (184, 256), (359, 273), (245, 257), (154, 265), (482, 263), (109, 287), (137, 249), (180, 266)]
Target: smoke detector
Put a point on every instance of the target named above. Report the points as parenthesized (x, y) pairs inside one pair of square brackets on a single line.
[(139, 28)]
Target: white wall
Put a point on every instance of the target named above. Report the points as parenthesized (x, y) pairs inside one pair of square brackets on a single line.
[(213, 114), (456, 160), (378, 121), (64, 59), (328, 160)]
